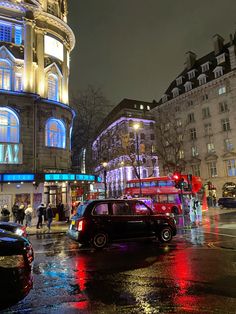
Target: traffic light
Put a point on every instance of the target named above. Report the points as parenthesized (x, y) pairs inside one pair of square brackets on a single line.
[(176, 176), (179, 181)]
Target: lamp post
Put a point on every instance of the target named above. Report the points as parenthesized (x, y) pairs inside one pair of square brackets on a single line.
[(105, 177), (136, 126)]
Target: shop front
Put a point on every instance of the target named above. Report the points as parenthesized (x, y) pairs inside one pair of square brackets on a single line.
[(59, 189)]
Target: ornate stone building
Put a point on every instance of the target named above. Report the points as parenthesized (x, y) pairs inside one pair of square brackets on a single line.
[(118, 146), (35, 116), (203, 97)]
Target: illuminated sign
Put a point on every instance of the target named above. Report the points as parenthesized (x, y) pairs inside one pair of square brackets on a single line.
[(53, 47), (59, 177), (85, 177), (18, 177), (10, 153)]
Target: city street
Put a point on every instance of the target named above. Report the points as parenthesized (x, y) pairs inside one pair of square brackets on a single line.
[(196, 273)]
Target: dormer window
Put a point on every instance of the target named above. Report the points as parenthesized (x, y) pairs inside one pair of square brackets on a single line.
[(218, 72), (205, 67), (188, 86), (141, 107), (179, 80), (175, 92), (221, 58), (202, 79), (191, 74), (164, 98), (148, 107)]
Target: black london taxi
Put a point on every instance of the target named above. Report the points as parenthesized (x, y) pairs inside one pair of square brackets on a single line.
[(16, 258), (99, 222)]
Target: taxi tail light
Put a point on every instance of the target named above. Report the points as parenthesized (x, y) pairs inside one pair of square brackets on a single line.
[(80, 225), (30, 253)]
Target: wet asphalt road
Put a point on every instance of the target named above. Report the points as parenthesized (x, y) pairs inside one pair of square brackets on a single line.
[(196, 273)]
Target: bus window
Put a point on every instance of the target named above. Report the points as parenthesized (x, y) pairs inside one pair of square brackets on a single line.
[(146, 184), (166, 183), (163, 198), (173, 198), (153, 183)]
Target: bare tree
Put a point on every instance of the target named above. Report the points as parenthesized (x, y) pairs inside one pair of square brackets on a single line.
[(170, 133), (91, 106)]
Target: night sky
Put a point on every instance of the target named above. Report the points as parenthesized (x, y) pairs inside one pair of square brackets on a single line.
[(135, 48)]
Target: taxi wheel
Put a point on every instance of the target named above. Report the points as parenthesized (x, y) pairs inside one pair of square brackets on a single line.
[(99, 240), (165, 235)]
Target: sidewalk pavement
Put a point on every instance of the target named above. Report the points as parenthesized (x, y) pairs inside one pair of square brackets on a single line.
[(56, 227)]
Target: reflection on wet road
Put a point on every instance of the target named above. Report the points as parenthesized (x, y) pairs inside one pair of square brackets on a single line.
[(196, 273)]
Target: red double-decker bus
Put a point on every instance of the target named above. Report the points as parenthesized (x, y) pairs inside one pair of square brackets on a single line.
[(165, 197)]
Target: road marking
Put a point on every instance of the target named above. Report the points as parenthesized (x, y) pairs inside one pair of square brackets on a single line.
[(222, 234)]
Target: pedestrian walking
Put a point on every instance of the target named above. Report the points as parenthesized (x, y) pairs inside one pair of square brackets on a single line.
[(14, 210), (5, 213), (49, 214), (60, 210), (192, 210), (67, 212), (28, 215), (20, 214), (40, 213)]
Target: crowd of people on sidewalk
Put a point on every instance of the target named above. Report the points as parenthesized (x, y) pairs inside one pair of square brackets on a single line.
[(24, 214)]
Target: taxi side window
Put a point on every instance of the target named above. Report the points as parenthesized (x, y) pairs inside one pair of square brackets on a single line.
[(121, 209), (101, 209), (141, 209)]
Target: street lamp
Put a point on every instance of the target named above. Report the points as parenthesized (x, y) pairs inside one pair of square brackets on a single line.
[(104, 164), (136, 127)]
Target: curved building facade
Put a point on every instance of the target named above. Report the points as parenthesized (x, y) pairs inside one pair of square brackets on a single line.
[(35, 116)]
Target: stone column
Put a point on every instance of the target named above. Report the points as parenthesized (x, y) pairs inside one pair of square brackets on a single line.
[(65, 76), (40, 77), (28, 56)]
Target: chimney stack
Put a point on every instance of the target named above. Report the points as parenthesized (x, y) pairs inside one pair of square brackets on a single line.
[(218, 43), (190, 59)]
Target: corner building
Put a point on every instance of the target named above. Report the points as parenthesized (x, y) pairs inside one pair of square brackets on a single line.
[(35, 117), (203, 97)]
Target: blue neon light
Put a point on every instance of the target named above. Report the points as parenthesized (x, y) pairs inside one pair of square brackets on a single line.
[(59, 177), (85, 177), (99, 179), (18, 177)]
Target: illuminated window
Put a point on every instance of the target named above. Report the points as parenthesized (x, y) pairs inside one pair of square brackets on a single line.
[(18, 35), (18, 82), (55, 135), (228, 144), (212, 169), (5, 75), (9, 126), (5, 32), (222, 90), (231, 167), (53, 87)]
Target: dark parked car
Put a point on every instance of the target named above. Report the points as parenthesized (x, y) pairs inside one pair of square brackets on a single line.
[(98, 222), (13, 227), (229, 202), (16, 258)]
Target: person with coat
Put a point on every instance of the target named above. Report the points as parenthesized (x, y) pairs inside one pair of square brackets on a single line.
[(40, 213), (21, 214), (14, 210), (67, 212), (28, 215), (49, 215), (5, 213)]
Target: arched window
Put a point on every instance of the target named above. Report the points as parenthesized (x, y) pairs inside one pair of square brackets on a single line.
[(5, 75), (55, 135), (9, 126), (53, 87)]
